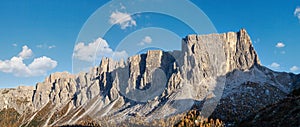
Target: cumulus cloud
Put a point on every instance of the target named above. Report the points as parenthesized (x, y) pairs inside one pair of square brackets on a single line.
[(280, 45), (98, 48), (123, 19), (41, 65), (275, 65), (15, 45), (297, 13), (294, 68), (146, 40), (17, 67), (25, 53)]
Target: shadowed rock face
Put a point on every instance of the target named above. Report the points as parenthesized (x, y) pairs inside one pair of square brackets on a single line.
[(161, 84), (283, 113)]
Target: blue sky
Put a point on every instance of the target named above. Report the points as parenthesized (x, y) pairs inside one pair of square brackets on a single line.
[(37, 37)]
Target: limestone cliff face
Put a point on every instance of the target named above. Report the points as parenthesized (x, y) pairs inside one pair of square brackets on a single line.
[(19, 98), (235, 49), (58, 88), (159, 84)]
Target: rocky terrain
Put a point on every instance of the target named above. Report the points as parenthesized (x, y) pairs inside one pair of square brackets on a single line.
[(283, 113), (219, 75)]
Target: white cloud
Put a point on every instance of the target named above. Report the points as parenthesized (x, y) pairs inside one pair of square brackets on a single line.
[(42, 62), (146, 40), (275, 65), (45, 46), (123, 19), (15, 45), (51, 46), (17, 67), (280, 45), (297, 13), (25, 53), (294, 68), (99, 48)]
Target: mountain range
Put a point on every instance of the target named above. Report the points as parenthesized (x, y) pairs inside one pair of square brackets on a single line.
[(219, 75)]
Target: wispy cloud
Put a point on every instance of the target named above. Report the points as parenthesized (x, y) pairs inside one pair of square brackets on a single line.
[(282, 52), (45, 46), (257, 40), (275, 65), (122, 18), (294, 68), (51, 46), (122, 7), (280, 45), (15, 45), (297, 13), (98, 48), (146, 40), (17, 67)]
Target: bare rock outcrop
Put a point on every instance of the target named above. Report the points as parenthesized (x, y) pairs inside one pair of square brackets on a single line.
[(19, 98), (59, 88)]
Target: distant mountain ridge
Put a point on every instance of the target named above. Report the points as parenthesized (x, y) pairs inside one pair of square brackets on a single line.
[(218, 73)]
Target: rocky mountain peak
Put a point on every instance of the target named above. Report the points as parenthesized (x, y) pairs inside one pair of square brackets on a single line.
[(58, 75), (237, 48)]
